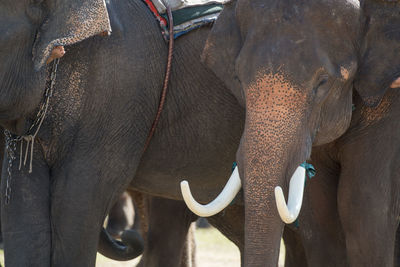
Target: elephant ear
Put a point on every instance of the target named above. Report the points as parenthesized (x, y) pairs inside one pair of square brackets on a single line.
[(222, 48), (69, 22), (379, 59)]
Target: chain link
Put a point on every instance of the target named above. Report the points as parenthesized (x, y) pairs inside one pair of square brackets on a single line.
[(12, 140)]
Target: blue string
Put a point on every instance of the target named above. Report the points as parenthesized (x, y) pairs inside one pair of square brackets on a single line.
[(234, 165), (310, 170)]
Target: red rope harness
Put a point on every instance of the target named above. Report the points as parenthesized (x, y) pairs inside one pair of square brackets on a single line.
[(153, 9), (166, 79)]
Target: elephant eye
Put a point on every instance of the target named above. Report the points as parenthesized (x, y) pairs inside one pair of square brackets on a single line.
[(321, 81), (320, 90)]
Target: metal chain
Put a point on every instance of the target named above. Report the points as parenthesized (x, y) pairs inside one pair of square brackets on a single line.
[(12, 140), (48, 93), (11, 146)]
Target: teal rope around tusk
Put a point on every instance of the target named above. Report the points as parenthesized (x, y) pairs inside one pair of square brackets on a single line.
[(310, 170), (234, 165)]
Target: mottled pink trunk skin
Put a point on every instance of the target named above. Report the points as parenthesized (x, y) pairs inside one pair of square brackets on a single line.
[(273, 145)]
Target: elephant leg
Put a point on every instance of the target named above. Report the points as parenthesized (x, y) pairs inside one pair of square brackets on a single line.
[(230, 222), (141, 205), (169, 222), (26, 219), (81, 197), (369, 202), (318, 224), (189, 249), (295, 255)]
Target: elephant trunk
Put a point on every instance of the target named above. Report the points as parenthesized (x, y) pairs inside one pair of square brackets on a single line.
[(132, 245), (275, 142), (265, 205)]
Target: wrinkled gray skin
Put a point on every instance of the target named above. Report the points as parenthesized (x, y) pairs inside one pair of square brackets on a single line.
[(90, 145), (351, 208)]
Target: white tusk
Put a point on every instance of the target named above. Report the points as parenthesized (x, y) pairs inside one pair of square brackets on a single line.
[(290, 212), (227, 195)]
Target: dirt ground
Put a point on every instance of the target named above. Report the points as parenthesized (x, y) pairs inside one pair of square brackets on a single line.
[(213, 250)]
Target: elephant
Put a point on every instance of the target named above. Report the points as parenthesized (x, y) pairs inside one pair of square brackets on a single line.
[(293, 70), (89, 147)]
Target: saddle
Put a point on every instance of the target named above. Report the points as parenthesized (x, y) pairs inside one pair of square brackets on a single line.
[(187, 14)]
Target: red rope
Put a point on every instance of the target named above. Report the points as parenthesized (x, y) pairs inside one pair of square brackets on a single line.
[(155, 12), (166, 79)]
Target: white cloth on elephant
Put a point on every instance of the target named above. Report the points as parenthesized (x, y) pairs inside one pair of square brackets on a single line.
[(179, 4)]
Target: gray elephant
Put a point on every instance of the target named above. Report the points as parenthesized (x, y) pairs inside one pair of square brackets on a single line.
[(89, 147), (293, 69)]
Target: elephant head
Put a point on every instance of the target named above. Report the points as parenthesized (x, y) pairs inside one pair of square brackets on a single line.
[(291, 64), (29, 31)]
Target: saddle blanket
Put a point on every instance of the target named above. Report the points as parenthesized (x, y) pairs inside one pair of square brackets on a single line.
[(180, 4), (187, 14)]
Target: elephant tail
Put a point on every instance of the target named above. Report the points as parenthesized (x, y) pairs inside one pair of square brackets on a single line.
[(130, 247)]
